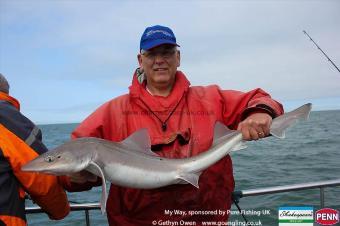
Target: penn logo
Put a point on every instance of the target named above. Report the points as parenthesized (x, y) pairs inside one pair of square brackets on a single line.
[(327, 216)]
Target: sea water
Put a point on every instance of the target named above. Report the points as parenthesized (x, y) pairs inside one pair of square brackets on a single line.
[(309, 153)]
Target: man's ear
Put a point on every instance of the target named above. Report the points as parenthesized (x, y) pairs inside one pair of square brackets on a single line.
[(178, 58), (139, 58)]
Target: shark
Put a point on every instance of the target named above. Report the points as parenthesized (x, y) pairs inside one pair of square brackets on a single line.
[(131, 163)]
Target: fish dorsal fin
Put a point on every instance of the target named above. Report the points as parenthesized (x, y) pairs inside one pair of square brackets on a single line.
[(139, 141), (98, 171), (191, 178), (220, 130)]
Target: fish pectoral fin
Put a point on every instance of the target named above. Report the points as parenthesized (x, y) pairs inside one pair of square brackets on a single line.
[(239, 146), (104, 191), (191, 178), (220, 130)]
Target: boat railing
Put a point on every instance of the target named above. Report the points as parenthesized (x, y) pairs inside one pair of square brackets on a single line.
[(287, 188), (86, 207)]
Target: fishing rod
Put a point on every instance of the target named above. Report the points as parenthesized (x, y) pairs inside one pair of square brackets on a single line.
[(321, 50)]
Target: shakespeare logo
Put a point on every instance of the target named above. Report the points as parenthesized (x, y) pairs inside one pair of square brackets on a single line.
[(295, 216)]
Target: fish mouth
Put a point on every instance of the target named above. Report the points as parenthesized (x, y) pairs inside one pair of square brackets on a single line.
[(38, 166), (32, 168)]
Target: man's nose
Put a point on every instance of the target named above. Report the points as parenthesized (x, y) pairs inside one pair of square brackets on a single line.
[(159, 59)]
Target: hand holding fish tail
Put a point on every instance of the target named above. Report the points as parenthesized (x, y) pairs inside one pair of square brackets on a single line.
[(255, 126)]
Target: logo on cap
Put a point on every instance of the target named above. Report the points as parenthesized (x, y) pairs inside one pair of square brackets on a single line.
[(153, 32)]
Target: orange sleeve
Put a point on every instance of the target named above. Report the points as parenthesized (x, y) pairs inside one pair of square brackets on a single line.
[(44, 189), (11, 220)]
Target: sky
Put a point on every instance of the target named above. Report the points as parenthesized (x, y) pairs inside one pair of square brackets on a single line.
[(65, 58)]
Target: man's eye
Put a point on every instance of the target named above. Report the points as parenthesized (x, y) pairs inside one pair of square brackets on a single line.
[(168, 52), (151, 54), (164, 53)]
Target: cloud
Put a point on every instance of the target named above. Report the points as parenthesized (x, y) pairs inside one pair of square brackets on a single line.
[(66, 54)]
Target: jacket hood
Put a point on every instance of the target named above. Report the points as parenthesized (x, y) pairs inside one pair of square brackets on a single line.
[(11, 100)]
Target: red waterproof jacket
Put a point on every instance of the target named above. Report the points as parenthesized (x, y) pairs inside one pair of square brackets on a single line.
[(189, 131)]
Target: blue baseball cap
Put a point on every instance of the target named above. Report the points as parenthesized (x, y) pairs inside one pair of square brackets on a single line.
[(155, 36)]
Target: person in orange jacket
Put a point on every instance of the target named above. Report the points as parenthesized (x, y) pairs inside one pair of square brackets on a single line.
[(20, 142), (180, 120)]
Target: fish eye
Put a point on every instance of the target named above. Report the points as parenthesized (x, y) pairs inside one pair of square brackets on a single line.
[(49, 158), (59, 156)]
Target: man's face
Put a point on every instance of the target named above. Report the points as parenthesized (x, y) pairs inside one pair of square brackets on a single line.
[(160, 64)]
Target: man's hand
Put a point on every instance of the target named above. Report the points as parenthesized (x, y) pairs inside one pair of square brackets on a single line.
[(82, 177), (255, 126)]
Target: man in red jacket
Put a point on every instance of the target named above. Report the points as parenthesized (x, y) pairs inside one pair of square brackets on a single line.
[(180, 120)]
